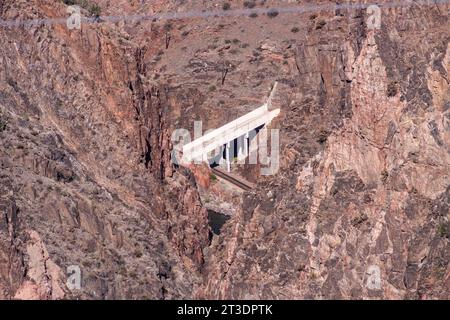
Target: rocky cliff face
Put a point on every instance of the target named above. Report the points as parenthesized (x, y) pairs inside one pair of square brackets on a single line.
[(86, 118), (375, 195), (85, 169)]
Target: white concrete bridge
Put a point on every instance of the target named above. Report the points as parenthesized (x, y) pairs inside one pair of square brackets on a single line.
[(223, 137)]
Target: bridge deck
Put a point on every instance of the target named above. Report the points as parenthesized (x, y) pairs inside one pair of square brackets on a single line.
[(232, 130)]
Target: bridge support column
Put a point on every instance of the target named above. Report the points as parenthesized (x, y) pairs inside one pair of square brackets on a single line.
[(242, 148), (228, 156), (246, 144)]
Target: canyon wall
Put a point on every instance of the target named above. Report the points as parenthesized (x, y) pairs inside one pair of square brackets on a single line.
[(87, 179)]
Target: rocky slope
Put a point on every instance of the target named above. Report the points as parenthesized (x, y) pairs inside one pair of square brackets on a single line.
[(85, 169), (376, 193), (86, 118)]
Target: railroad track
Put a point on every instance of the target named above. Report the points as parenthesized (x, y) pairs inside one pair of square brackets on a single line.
[(236, 180)]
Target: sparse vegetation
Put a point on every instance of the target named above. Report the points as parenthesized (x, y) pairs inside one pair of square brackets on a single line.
[(95, 10), (3, 124), (167, 27), (443, 231), (212, 88), (137, 253), (253, 15), (323, 136), (249, 4), (392, 89), (320, 24), (272, 13), (224, 70), (213, 177), (384, 175), (295, 30), (360, 219), (313, 275), (226, 6)]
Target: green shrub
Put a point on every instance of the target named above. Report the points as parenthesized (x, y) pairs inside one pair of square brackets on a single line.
[(95, 10), (442, 230), (226, 6)]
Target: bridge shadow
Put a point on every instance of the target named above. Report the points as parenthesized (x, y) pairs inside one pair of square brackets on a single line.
[(234, 148)]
